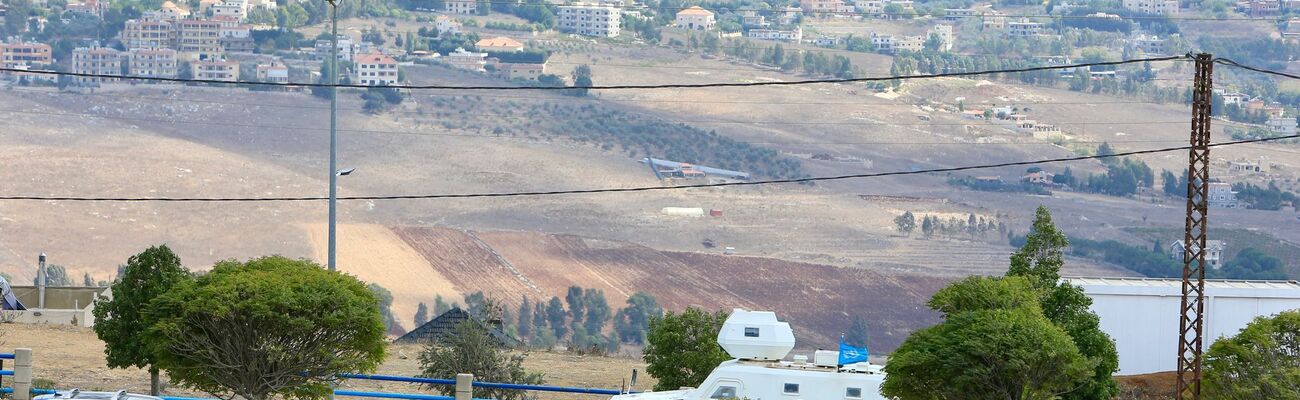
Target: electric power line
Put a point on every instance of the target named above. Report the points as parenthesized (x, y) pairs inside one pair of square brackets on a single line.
[(1232, 63), (628, 189), (598, 100), (609, 87), (720, 122)]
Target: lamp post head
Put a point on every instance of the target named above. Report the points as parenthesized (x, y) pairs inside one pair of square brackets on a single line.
[(345, 171)]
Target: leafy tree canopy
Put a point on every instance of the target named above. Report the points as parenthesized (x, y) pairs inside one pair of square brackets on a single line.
[(682, 349), (1260, 362), (272, 326)]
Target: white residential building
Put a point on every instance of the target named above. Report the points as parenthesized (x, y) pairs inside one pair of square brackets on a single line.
[(461, 6), (274, 73), (1221, 196), (346, 49), (1024, 28), (1216, 248), (467, 60), (446, 25), (375, 69), (1160, 7), (958, 14), (946, 37), (215, 70), (237, 9), (590, 19), (786, 35), (1282, 125), (153, 63), (96, 61), (695, 18)]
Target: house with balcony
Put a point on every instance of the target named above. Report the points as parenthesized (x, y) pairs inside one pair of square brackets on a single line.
[(375, 69), (467, 60), (153, 63), (215, 70), (590, 19), (96, 61), (274, 72), (695, 18)]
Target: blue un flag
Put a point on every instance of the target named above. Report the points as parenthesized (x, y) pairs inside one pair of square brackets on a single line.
[(850, 354)]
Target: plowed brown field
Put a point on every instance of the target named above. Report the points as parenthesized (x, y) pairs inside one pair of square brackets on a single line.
[(818, 300)]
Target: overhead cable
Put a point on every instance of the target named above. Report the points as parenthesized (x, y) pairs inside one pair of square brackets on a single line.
[(609, 87), (628, 189)]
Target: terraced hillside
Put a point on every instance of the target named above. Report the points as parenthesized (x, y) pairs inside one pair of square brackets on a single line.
[(819, 300)]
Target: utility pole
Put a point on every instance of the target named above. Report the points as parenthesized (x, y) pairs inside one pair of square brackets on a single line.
[(334, 120), (1192, 312)]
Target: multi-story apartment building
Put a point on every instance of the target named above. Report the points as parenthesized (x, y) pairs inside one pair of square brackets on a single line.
[(97, 61), (198, 39), (237, 9), (1161, 7), (461, 6), (215, 70), (590, 19), (821, 7), (946, 36), (274, 73), (150, 31), (153, 63), (376, 69), (346, 49), (21, 54)]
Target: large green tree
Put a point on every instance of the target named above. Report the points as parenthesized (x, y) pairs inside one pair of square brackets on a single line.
[(269, 327), (682, 349), (1260, 362), (120, 320), (385, 298), (1012, 354), (632, 322), (1040, 261)]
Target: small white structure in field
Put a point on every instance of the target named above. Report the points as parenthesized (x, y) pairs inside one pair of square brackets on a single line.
[(1141, 314)]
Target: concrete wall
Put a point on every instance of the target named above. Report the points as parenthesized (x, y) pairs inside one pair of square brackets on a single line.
[(63, 305), (1144, 319)]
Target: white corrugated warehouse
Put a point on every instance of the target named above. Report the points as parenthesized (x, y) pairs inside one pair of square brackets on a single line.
[(1141, 314)]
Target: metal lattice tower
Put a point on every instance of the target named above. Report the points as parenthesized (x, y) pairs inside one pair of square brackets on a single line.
[(1191, 326)]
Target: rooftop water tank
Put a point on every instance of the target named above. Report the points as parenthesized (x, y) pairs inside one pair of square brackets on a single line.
[(756, 335)]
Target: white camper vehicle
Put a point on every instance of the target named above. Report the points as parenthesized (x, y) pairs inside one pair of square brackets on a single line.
[(760, 342)]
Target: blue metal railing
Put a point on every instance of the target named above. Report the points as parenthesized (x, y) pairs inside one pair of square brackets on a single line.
[(7, 356), (34, 391), (381, 395), (402, 396), (5, 372), (348, 393), (489, 385)]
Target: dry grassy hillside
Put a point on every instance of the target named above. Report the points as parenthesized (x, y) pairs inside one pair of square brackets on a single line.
[(819, 300)]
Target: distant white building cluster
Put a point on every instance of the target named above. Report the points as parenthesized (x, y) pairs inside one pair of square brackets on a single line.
[(893, 44)]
